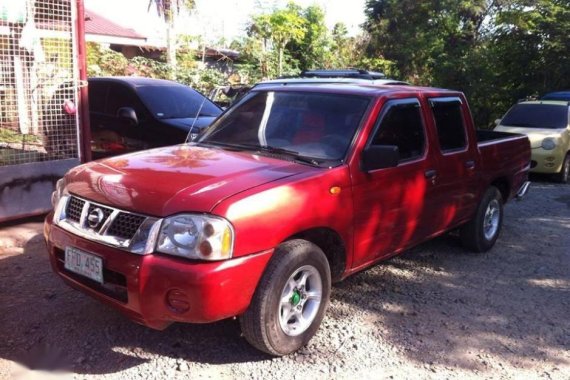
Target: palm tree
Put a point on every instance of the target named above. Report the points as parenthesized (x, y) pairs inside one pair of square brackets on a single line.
[(169, 10)]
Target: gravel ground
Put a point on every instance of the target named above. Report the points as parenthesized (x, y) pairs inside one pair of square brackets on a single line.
[(433, 312)]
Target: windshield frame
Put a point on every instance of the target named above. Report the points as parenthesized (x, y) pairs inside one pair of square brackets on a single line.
[(262, 150)]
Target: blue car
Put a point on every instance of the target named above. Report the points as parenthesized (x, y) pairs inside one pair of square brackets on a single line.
[(558, 95)]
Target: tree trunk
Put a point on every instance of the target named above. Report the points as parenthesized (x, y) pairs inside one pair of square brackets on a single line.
[(281, 60), (171, 47)]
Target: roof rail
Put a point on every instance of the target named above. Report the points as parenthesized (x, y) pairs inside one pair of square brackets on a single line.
[(342, 73)]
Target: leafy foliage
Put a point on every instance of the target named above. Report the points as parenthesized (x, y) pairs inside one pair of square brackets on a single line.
[(496, 51)]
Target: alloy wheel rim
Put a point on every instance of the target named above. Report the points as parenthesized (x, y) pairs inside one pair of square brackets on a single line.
[(491, 219), (300, 300)]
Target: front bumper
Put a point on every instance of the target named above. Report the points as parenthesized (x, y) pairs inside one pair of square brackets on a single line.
[(547, 161), (143, 287)]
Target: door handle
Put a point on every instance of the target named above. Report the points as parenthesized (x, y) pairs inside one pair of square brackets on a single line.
[(431, 174), (470, 164)]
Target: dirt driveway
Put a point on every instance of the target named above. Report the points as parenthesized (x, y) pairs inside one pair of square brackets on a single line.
[(434, 312)]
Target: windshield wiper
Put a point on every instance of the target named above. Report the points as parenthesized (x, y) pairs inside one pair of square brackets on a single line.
[(225, 145), (276, 150), (270, 149), (266, 149)]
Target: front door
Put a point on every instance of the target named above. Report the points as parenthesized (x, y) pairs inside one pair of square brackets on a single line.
[(392, 206)]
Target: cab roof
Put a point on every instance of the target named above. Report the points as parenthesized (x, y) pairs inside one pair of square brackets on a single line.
[(347, 86)]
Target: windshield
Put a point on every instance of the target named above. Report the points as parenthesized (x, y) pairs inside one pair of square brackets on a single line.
[(537, 115), (176, 102), (312, 125)]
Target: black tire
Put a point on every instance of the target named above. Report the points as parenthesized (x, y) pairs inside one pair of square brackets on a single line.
[(478, 235), (562, 177), (260, 324)]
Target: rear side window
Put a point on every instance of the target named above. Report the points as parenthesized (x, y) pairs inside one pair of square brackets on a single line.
[(448, 118), (402, 125)]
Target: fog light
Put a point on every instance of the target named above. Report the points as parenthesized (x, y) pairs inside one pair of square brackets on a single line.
[(177, 301)]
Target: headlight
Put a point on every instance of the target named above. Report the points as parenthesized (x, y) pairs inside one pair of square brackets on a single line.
[(548, 143), (196, 237), (58, 192)]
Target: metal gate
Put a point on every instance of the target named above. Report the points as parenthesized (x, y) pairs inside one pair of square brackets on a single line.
[(41, 79)]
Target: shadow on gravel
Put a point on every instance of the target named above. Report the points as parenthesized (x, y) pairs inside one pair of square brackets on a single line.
[(512, 302), (46, 325)]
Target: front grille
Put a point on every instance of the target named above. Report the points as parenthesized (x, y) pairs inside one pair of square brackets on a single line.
[(106, 212), (74, 208), (104, 224)]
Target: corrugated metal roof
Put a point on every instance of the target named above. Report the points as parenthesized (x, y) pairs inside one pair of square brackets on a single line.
[(97, 24)]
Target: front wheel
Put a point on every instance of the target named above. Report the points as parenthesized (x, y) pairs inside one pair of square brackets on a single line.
[(290, 301), (564, 174), (481, 232)]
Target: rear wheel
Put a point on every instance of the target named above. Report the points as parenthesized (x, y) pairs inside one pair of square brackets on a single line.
[(565, 171), (481, 232), (290, 300)]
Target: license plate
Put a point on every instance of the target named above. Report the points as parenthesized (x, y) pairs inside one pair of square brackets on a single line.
[(84, 263)]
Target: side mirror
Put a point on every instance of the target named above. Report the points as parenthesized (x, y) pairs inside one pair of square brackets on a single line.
[(380, 157), (128, 114), (497, 121)]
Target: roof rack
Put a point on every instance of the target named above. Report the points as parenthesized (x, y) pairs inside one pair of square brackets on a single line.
[(342, 73)]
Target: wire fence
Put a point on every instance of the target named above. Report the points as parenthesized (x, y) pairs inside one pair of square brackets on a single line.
[(38, 81)]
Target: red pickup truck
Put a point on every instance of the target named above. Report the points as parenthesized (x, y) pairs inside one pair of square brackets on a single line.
[(293, 188)]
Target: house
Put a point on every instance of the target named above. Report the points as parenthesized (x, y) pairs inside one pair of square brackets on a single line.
[(118, 38)]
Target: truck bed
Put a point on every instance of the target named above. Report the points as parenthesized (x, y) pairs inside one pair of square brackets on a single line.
[(504, 155), (486, 136)]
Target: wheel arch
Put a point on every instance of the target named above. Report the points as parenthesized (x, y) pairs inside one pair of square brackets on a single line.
[(331, 243), (504, 186)]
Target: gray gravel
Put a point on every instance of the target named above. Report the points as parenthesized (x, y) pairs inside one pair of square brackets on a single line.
[(434, 312)]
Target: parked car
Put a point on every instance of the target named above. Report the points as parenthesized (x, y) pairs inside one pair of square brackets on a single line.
[(547, 125), (134, 113), (126, 114), (558, 95), (290, 189)]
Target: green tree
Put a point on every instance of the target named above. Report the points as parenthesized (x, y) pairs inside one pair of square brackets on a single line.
[(314, 49), (285, 26), (169, 10)]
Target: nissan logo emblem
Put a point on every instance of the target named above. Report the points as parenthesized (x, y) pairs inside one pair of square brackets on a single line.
[(95, 217)]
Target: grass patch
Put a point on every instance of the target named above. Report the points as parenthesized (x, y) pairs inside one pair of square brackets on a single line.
[(10, 136)]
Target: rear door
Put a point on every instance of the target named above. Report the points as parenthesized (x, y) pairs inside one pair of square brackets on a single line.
[(455, 178), (393, 206)]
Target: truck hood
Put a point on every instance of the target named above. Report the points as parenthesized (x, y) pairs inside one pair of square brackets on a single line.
[(180, 178), (535, 135)]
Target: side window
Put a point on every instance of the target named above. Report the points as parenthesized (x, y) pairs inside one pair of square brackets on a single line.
[(402, 125), (122, 96), (97, 96), (448, 116)]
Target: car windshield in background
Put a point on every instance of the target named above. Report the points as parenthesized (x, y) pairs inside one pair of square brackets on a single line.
[(315, 126), (537, 116), (176, 102)]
